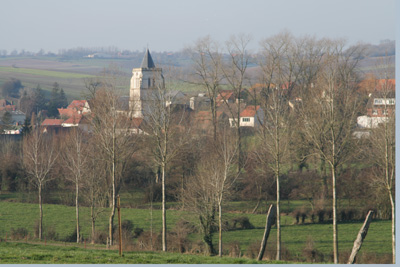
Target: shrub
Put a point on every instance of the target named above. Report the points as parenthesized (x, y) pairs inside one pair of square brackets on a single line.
[(252, 250), (72, 237), (321, 215), (299, 214), (137, 232), (310, 253), (18, 233), (51, 234), (234, 249), (177, 242), (155, 194), (241, 223), (148, 241), (100, 237)]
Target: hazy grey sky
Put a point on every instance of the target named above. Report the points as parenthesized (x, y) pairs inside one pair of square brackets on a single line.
[(170, 25)]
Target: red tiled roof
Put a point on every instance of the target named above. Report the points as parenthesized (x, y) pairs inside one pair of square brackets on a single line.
[(8, 108), (66, 112), (249, 111), (77, 104), (52, 122), (224, 95), (75, 119), (384, 84), (136, 122)]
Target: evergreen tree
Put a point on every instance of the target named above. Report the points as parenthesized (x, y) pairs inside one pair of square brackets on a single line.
[(7, 118), (57, 100), (26, 129), (54, 101), (39, 99), (63, 99)]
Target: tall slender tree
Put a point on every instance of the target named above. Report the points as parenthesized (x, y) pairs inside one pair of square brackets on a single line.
[(207, 63), (163, 125), (382, 154), (75, 158), (328, 112), (40, 154), (112, 130), (235, 74)]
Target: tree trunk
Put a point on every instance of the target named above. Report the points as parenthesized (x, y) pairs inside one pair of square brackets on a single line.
[(164, 215), (206, 224), (360, 238), (278, 220), (111, 219), (334, 215), (40, 213), (93, 223), (268, 225), (111, 222), (220, 229), (77, 213), (393, 228)]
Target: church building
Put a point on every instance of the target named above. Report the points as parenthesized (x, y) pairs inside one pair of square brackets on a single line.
[(145, 80)]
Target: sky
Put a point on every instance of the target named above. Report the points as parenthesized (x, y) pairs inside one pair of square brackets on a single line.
[(171, 25)]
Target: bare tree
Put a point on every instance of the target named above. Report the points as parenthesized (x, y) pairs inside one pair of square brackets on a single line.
[(40, 155), (328, 112), (275, 139), (112, 130), (200, 197), (234, 74), (382, 150), (75, 158), (163, 124), (206, 57), (95, 185), (223, 176), (280, 69)]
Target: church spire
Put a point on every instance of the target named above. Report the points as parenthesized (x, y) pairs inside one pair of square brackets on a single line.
[(147, 62)]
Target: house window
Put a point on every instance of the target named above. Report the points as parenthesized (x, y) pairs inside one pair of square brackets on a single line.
[(374, 112), (245, 119), (378, 101), (391, 101), (149, 83), (384, 112)]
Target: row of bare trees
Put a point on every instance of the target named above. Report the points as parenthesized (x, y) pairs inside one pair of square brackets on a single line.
[(308, 94), (309, 101)]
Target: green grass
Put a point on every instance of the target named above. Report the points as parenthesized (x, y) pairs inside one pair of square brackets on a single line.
[(294, 237), (39, 254), (48, 73)]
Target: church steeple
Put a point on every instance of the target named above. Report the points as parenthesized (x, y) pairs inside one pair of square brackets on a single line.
[(147, 62), (144, 80)]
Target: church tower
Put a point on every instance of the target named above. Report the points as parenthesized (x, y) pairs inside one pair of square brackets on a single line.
[(144, 80)]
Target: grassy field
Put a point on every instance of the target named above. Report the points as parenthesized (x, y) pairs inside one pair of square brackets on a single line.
[(69, 74), (39, 254), (61, 219)]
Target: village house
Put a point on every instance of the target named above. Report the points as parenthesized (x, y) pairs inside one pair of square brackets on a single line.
[(6, 105), (251, 116), (225, 96), (380, 106), (75, 107)]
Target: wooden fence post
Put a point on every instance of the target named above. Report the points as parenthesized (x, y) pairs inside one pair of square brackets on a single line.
[(268, 225), (360, 238)]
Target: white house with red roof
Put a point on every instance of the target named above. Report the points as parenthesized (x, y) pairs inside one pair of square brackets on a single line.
[(76, 107), (251, 116)]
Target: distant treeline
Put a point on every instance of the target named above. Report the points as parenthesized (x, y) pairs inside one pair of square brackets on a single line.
[(384, 48)]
